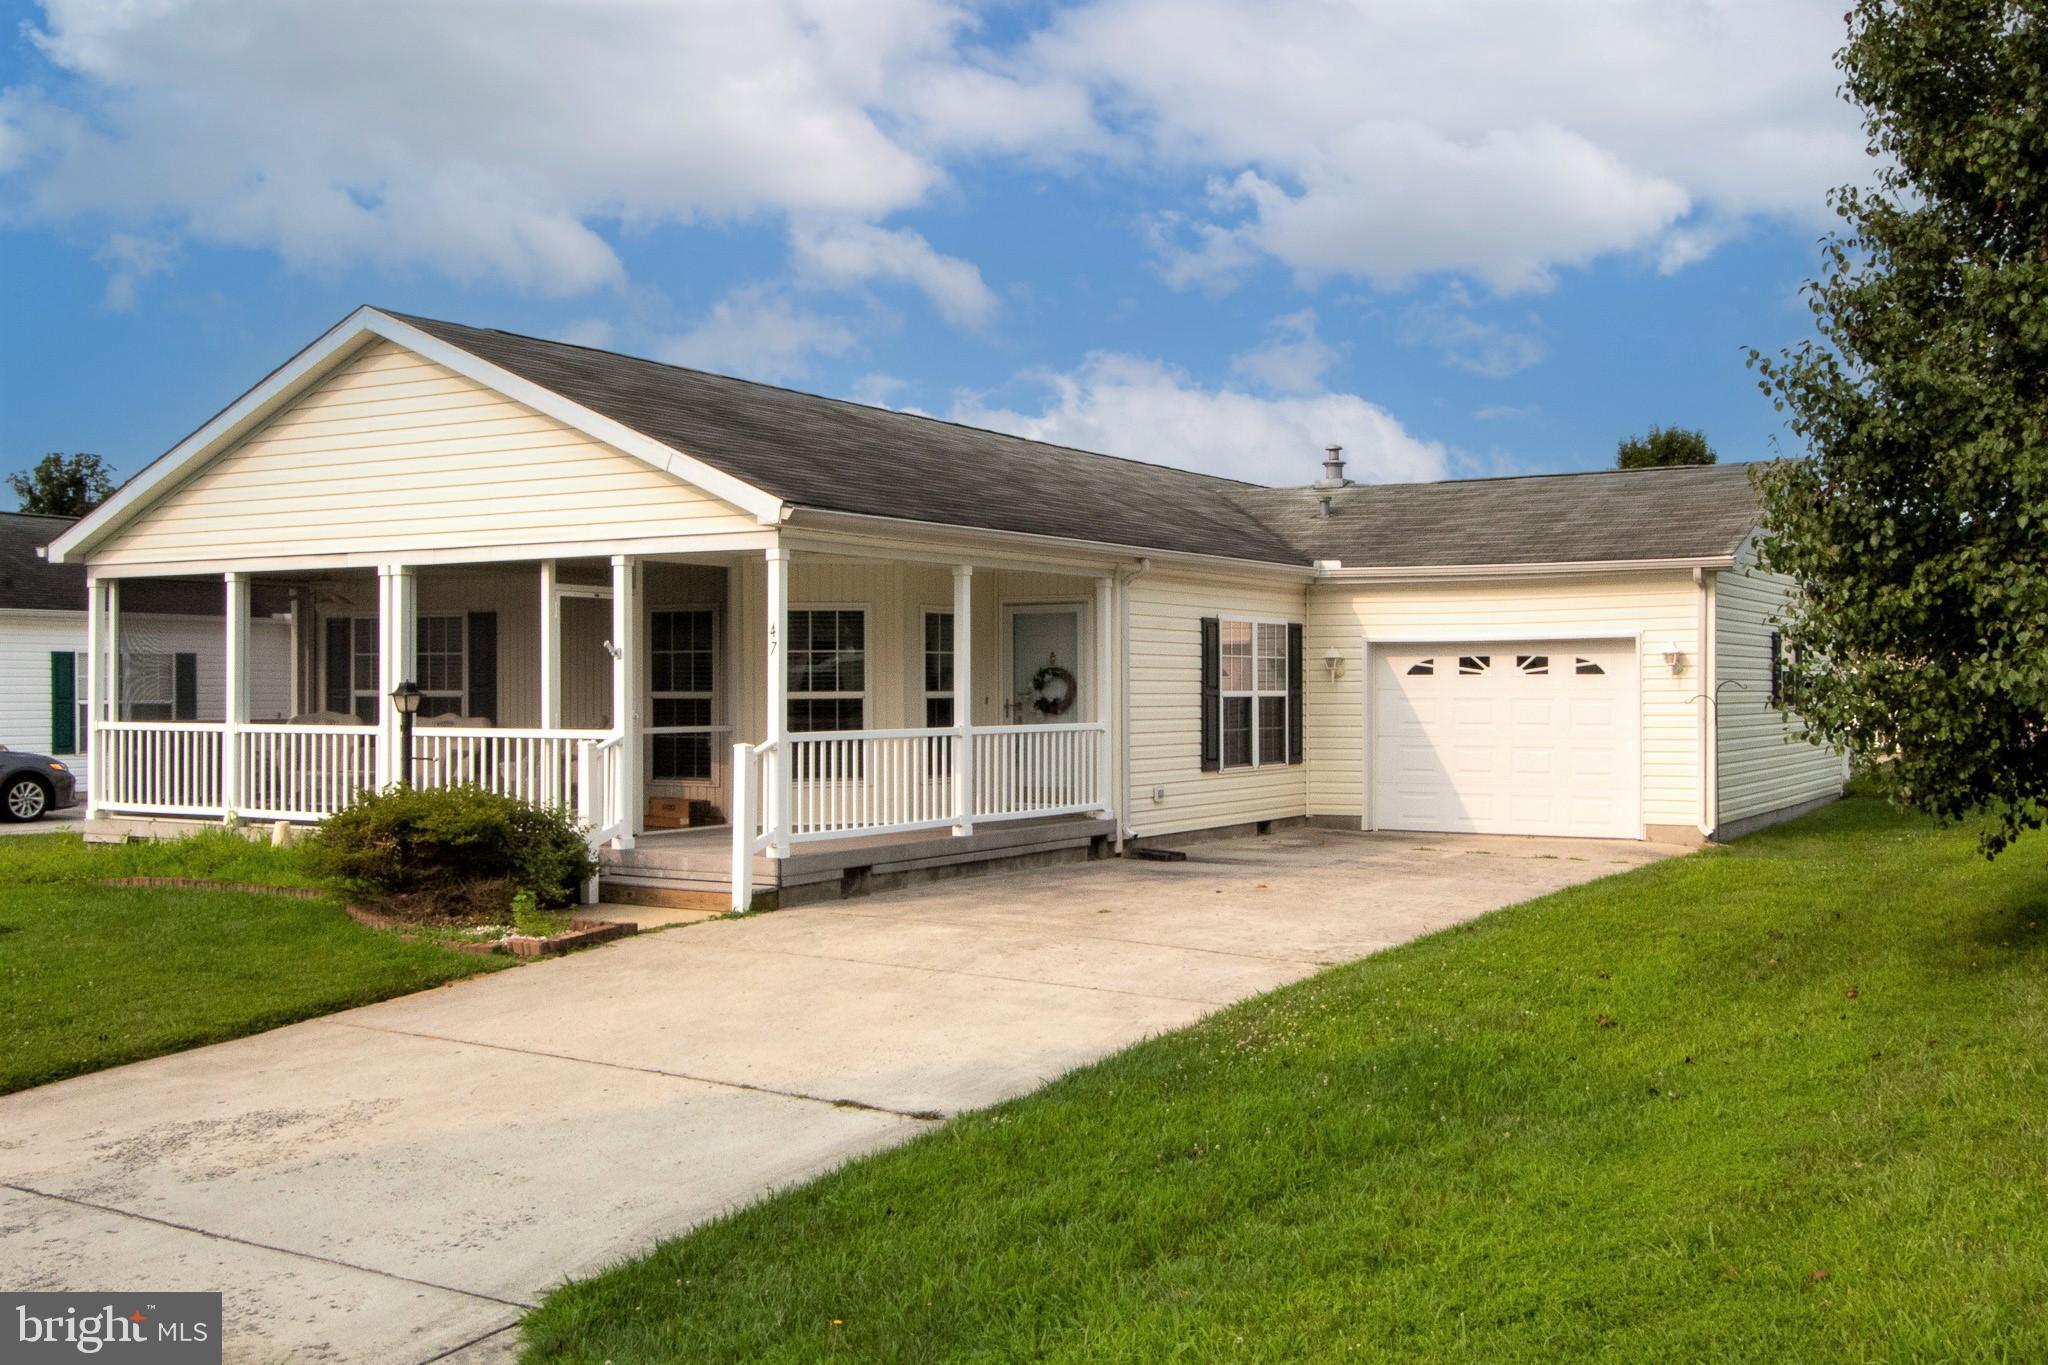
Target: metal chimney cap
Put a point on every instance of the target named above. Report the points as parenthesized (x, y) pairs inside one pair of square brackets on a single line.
[(1333, 469)]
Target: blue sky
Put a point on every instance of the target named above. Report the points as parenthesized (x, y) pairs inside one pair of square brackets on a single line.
[(1483, 238)]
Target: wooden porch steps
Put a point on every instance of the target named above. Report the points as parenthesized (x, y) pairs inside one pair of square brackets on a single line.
[(692, 869)]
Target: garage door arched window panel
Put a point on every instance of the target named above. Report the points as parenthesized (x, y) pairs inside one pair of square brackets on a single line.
[(1472, 665), (1588, 668), (1422, 668), (1535, 665)]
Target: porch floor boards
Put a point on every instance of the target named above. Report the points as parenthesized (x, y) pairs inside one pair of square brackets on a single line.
[(675, 864)]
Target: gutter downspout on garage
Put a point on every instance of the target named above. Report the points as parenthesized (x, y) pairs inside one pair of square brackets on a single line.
[(1710, 720), (1124, 579)]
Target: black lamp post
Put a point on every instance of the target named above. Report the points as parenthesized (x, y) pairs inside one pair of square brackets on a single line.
[(406, 697)]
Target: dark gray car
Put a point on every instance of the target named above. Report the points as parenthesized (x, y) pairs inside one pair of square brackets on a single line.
[(33, 785)]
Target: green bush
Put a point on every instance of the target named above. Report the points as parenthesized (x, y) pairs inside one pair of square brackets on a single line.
[(451, 853)]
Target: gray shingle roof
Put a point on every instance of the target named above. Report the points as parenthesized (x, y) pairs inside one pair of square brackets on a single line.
[(1684, 513), (28, 582), (834, 455), (839, 456)]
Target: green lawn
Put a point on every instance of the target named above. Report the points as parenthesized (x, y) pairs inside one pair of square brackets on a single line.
[(92, 976), (1784, 1101)]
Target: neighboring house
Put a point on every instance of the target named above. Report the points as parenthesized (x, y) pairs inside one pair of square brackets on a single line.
[(171, 647), (870, 641)]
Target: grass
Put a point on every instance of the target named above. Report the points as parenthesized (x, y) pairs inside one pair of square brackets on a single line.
[(93, 976), (1780, 1101)]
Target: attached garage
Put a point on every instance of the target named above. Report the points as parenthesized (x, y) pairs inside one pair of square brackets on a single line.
[(1507, 737)]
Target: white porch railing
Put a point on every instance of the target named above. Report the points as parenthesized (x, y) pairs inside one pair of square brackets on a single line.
[(536, 766), (164, 767), (301, 772), (848, 784), (602, 804)]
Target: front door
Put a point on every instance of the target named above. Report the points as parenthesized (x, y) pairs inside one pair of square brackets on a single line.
[(1047, 670)]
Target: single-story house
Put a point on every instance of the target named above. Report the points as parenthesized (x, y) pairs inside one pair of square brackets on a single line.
[(171, 648), (767, 642)]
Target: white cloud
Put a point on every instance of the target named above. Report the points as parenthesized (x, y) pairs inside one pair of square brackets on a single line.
[(1497, 139), (1465, 341), (1145, 410), (1503, 412), (594, 332), (1293, 360), (758, 333), (843, 255), (1501, 139), (130, 259)]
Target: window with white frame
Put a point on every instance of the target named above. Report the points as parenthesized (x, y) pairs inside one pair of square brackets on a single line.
[(683, 647), (1253, 689), (939, 708), (438, 665), (82, 730), (828, 669), (149, 686), (440, 662)]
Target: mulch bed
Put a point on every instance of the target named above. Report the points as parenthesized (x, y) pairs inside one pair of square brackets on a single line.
[(581, 933)]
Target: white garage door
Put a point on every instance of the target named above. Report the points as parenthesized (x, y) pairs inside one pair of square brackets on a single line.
[(1507, 738)]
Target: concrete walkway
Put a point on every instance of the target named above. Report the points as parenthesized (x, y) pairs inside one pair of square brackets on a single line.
[(399, 1182)]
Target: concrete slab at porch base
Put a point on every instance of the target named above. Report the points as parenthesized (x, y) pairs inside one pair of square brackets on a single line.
[(394, 1183)]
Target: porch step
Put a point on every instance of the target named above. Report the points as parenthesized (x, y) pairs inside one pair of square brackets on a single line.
[(691, 870)]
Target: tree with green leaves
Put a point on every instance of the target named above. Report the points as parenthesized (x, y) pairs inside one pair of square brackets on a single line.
[(1917, 528), (63, 485), (1662, 447)]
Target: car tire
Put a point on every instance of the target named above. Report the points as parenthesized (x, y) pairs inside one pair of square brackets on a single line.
[(24, 798)]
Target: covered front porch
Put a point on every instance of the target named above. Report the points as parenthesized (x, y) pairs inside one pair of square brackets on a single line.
[(773, 712)]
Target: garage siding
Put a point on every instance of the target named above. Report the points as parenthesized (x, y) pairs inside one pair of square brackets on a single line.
[(1765, 762), (1166, 611), (393, 452), (1661, 606)]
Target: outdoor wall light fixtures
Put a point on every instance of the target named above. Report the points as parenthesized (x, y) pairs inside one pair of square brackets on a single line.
[(1333, 659)]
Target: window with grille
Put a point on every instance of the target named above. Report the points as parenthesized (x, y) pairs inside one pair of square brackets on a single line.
[(938, 670), (149, 687), (438, 666), (682, 675), (828, 669), (1252, 678)]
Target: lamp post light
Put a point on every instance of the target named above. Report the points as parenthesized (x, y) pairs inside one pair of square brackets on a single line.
[(406, 697)]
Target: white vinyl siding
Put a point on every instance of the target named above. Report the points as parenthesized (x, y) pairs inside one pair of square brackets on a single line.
[(393, 452), (28, 638), (1662, 607), (1166, 610), (1765, 763)]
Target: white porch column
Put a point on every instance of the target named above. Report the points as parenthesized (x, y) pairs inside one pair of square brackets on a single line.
[(776, 797), (1108, 679), (550, 649), (626, 694), (235, 712), (397, 646), (110, 691), (963, 698), (95, 681)]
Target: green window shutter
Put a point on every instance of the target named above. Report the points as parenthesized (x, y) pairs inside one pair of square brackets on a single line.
[(63, 702), (1212, 694), (185, 687)]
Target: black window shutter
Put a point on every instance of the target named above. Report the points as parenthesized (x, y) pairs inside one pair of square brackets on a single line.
[(1212, 694), (185, 687), (1777, 668), (340, 662), (1293, 692), (63, 702), (482, 663)]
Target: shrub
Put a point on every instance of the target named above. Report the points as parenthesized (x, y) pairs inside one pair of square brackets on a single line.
[(530, 921), (451, 853)]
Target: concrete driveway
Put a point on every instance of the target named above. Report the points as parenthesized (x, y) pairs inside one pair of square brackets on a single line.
[(398, 1182)]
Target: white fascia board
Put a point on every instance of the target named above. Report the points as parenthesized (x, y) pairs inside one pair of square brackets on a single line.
[(334, 346), (1571, 569)]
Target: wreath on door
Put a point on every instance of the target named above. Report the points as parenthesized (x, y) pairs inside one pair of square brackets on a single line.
[(1044, 699)]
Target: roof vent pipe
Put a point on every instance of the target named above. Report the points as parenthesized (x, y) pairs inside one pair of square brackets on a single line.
[(1333, 469), (1323, 506)]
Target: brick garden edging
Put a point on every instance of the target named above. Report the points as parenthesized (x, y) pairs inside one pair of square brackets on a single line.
[(582, 933)]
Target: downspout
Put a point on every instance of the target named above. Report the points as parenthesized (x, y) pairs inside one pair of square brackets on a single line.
[(1124, 579), (1710, 728)]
